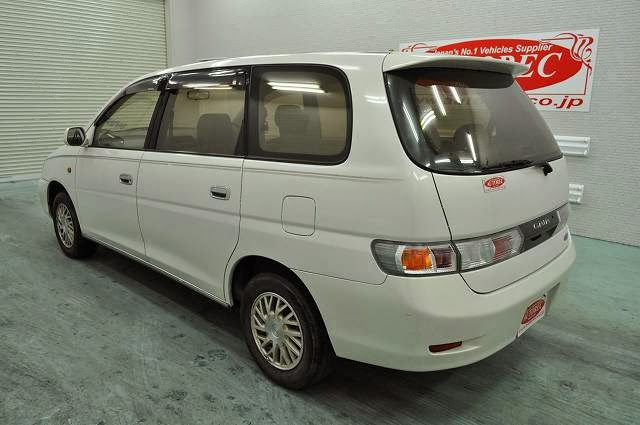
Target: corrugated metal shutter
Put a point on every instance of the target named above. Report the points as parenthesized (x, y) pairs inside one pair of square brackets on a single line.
[(60, 61)]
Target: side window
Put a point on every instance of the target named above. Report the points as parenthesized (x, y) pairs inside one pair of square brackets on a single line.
[(125, 124), (304, 114), (204, 113)]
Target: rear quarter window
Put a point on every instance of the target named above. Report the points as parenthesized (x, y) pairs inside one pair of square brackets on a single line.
[(303, 114)]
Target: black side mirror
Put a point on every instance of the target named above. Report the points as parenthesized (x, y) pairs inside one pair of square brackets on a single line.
[(74, 136)]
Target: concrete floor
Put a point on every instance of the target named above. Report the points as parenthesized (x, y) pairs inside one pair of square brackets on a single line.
[(107, 341)]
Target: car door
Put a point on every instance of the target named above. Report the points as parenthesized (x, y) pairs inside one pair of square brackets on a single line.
[(107, 169), (189, 183)]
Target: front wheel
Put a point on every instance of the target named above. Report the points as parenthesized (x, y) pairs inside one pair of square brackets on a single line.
[(284, 332), (67, 228)]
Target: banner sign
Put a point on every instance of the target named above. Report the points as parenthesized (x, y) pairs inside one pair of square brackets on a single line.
[(560, 63)]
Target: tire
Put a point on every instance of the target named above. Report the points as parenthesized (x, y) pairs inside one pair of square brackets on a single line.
[(315, 352), (67, 229)]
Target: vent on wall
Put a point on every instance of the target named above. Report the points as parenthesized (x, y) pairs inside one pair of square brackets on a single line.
[(574, 145), (575, 193)]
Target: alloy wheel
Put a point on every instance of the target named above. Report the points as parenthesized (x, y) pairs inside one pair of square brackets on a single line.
[(276, 331), (64, 225)]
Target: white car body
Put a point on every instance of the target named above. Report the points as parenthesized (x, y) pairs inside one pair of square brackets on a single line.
[(319, 221)]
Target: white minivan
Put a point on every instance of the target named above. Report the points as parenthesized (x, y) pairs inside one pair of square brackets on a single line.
[(408, 211)]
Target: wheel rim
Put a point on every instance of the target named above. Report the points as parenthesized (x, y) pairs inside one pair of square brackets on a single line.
[(64, 224), (276, 331)]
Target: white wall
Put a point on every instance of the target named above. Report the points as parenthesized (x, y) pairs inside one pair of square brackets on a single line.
[(611, 173), (180, 33)]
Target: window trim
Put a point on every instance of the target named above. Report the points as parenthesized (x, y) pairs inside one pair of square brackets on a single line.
[(253, 148), (164, 100), (154, 83)]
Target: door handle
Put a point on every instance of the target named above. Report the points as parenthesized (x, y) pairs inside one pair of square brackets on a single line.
[(220, 192), (126, 179)]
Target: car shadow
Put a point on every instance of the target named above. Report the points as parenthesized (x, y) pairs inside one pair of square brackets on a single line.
[(385, 393)]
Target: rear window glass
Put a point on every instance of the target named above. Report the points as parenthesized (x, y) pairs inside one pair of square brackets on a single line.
[(462, 121)]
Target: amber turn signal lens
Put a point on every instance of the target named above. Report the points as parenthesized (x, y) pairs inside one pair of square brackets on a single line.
[(414, 259)]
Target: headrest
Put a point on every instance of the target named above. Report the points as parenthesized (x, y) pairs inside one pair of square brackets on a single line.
[(290, 119), (218, 123), (475, 130)]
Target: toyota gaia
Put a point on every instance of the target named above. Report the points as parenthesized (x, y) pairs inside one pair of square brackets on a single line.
[(408, 211)]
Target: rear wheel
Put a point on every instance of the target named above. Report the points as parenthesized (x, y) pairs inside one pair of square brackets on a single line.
[(67, 228), (284, 332)]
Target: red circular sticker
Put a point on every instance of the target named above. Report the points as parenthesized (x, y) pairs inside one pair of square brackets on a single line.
[(494, 182)]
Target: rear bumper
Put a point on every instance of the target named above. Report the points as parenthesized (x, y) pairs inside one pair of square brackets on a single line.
[(393, 324)]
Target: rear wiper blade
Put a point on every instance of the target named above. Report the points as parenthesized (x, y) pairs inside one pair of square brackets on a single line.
[(546, 167), (508, 164)]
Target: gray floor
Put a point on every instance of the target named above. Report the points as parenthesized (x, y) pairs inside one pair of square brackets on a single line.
[(107, 341)]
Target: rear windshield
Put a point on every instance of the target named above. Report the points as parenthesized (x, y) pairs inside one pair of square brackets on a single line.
[(467, 122)]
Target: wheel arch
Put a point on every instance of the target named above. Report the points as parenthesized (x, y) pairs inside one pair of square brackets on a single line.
[(251, 265), (53, 189)]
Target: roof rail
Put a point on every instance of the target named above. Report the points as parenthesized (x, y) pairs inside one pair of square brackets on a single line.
[(211, 59)]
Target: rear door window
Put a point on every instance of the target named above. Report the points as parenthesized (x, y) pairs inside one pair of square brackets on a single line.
[(303, 114), (464, 122), (204, 113)]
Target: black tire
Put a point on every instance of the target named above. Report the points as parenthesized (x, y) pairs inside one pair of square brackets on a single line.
[(77, 246), (317, 354)]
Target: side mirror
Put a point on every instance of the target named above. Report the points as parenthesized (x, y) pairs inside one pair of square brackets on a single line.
[(74, 136)]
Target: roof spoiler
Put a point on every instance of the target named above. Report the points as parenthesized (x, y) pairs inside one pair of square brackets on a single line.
[(396, 60)]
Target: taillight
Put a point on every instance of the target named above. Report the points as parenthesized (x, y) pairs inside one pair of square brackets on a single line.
[(404, 258), (415, 259), (480, 252)]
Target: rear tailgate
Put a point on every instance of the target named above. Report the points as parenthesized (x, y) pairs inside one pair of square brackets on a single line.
[(473, 210), (526, 194), (494, 160)]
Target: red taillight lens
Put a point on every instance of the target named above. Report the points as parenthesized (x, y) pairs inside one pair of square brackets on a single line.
[(444, 347), (503, 246)]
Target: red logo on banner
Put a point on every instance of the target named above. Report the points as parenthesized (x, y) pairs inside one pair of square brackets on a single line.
[(548, 63)]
